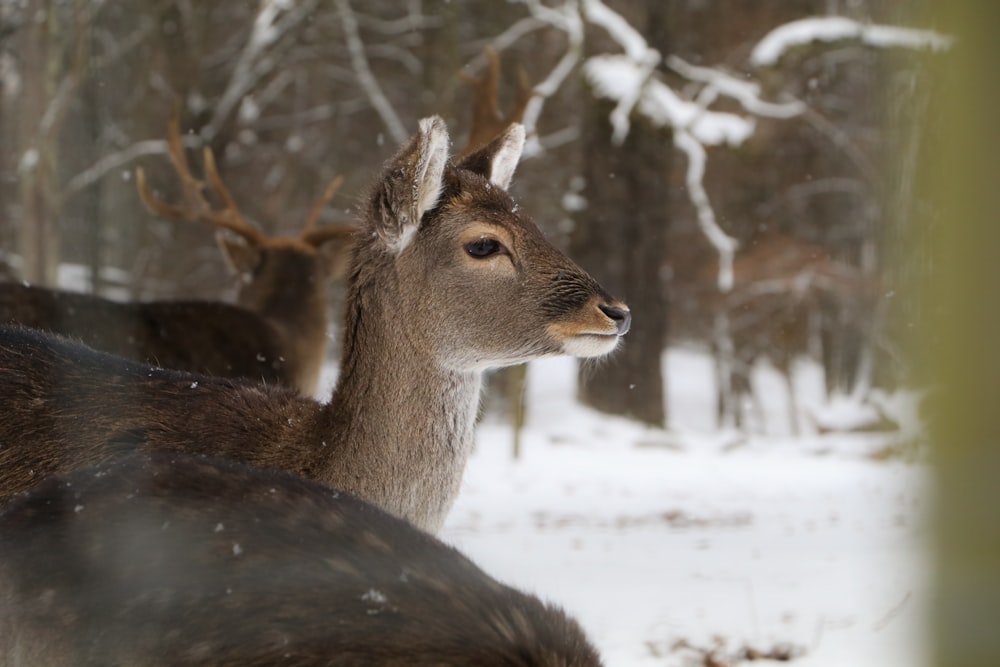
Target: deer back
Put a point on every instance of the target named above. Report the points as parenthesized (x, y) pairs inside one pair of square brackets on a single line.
[(211, 338), (173, 559)]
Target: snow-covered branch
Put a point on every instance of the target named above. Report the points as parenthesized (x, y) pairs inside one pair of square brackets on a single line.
[(779, 41), (630, 80), (724, 244), (642, 60), (747, 93), (566, 18), (621, 31)]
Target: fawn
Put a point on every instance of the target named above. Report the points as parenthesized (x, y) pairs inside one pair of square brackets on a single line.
[(448, 278)]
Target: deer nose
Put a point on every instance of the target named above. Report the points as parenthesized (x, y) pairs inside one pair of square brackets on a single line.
[(622, 317)]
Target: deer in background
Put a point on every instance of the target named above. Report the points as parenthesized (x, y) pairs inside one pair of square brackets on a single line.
[(488, 122), (780, 287), (487, 119), (276, 333), (163, 558), (449, 278)]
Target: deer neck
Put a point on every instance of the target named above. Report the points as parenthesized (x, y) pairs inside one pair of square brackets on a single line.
[(299, 315), (404, 424)]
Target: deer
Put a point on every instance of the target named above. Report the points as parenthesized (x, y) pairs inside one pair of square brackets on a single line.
[(449, 277), (781, 285), (166, 558), (277, 330)]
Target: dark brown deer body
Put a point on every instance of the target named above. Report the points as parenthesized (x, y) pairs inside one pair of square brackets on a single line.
[(173, 559), (448, 279), (206, 337), (277, 333)]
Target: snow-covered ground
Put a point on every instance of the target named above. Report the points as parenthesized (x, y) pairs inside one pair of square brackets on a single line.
[(653, 537)]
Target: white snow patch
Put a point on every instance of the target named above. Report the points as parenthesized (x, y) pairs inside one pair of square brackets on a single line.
[(372, 595), (648, 536), (616, 77), (621, 31)]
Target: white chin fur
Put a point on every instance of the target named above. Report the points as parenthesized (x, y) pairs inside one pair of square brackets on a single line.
[(589, 345)]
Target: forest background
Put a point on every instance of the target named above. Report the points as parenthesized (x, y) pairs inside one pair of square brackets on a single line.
[(744, 200)]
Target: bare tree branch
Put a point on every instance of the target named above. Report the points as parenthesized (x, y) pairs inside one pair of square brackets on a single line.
[(118, 159), (275, 19), (397, 26), (356, 48), (509, 36), (566, 18)]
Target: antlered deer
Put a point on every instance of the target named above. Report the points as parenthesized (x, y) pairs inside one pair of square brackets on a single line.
[(276, 333), (487, 119), (449, 278), (166, 558)]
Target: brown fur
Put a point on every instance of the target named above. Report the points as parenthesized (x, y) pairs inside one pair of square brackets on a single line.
[(424, 319), (278, 333), (487, 119), (172, 559)]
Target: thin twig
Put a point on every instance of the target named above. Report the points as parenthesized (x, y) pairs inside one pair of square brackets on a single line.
[(118, 159), (269, 26)]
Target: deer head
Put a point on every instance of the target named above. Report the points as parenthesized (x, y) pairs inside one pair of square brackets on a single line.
[(281, 279), (265, 265), (487, 276)]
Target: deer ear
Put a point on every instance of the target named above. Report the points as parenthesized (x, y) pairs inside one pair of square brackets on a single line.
[(497, 160), (411, 184), (242, 258)]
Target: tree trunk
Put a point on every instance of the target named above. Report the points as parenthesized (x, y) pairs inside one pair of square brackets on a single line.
[(38, 241), (620, 238)]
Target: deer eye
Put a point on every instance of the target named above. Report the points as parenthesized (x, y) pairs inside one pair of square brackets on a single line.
[(484, 247)]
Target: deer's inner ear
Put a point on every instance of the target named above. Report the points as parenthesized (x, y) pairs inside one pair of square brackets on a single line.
[(498, 159)]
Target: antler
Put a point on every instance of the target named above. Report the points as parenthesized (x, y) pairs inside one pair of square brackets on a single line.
[(195, 207), (317, 236), (487, 120)]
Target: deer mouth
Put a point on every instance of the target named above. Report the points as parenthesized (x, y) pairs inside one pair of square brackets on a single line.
[(590, 344)]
